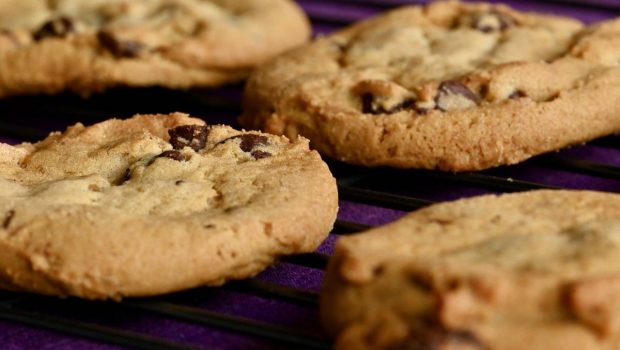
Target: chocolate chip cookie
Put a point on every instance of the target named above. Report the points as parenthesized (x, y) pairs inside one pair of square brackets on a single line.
[(537, 270), (155, 204), (90, 45), (449, 86)]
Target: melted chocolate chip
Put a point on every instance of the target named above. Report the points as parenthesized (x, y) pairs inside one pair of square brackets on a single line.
[(517, 94), (8, 217), (492, 21), (56, 28), (258, 154), (369, 106), (174, 155), (248, 141), (428, 337), (454, 95), (118, 47), (179, 182), (126, 177), (421, 281), (194, 136)]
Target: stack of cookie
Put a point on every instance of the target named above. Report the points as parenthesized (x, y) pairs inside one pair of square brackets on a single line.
[(159, 203)]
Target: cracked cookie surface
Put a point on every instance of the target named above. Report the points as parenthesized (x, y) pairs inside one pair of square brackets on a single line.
[(537, 270), (90, 45), (154, 204), (449, 86)]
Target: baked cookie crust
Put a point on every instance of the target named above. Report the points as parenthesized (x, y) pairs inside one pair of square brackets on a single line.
[(89, 45), (536, 270), (450, 86), (155, 204)]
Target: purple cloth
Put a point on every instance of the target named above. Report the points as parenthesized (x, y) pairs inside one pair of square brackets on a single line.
[(327, 16)]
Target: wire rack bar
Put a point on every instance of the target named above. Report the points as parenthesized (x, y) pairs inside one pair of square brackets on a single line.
[(383, 199), (233, 323), (276, 291), (579, 166), (612, 141), (485, 181), (346, 227), (90, 331), (311, 260)]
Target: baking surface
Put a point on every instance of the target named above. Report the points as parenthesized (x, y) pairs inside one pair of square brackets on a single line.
[(264, 317)]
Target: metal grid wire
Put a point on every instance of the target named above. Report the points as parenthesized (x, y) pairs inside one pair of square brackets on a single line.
[(31, 118)]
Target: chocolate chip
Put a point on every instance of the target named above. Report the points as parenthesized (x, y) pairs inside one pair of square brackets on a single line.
[(118, 47), (452, 95), (8, 217), (248, 141), (517, 94), (173, 154), (56, 28), (369, 106), (492, 21), (194, 136), (179, 182), (126, 177), (433, 337), (424, 282), (258, 154)]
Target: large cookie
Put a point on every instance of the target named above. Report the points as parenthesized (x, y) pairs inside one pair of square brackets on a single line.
[(537, 270), (450, 86), (90, 45), (154, 204)]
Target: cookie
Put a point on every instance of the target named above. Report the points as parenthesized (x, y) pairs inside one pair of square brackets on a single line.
[(449, 86), (155, 204), (90, 45), (537, 270)]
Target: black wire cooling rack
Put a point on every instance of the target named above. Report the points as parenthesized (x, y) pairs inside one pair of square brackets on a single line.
[(591, 166)]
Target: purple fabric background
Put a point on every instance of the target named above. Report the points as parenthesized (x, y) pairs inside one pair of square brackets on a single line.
[(327, 16)]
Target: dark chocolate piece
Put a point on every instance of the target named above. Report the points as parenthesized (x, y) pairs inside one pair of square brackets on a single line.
[(8, 217), (258, 154), (503, 22), (55, 28), (118, 47), (450, 89), (368, 105), (173, 154), (193, 136)]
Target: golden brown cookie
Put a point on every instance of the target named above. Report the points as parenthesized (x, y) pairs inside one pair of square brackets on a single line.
[(90, 45), (155, 204), (451, 86), (537, 270)]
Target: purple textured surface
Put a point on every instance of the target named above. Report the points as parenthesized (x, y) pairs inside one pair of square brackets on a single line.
[(327, 16)]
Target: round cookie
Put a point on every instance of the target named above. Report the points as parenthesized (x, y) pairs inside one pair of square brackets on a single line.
[(537, 270), (90, 45), (449, 86), (155, 204)]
